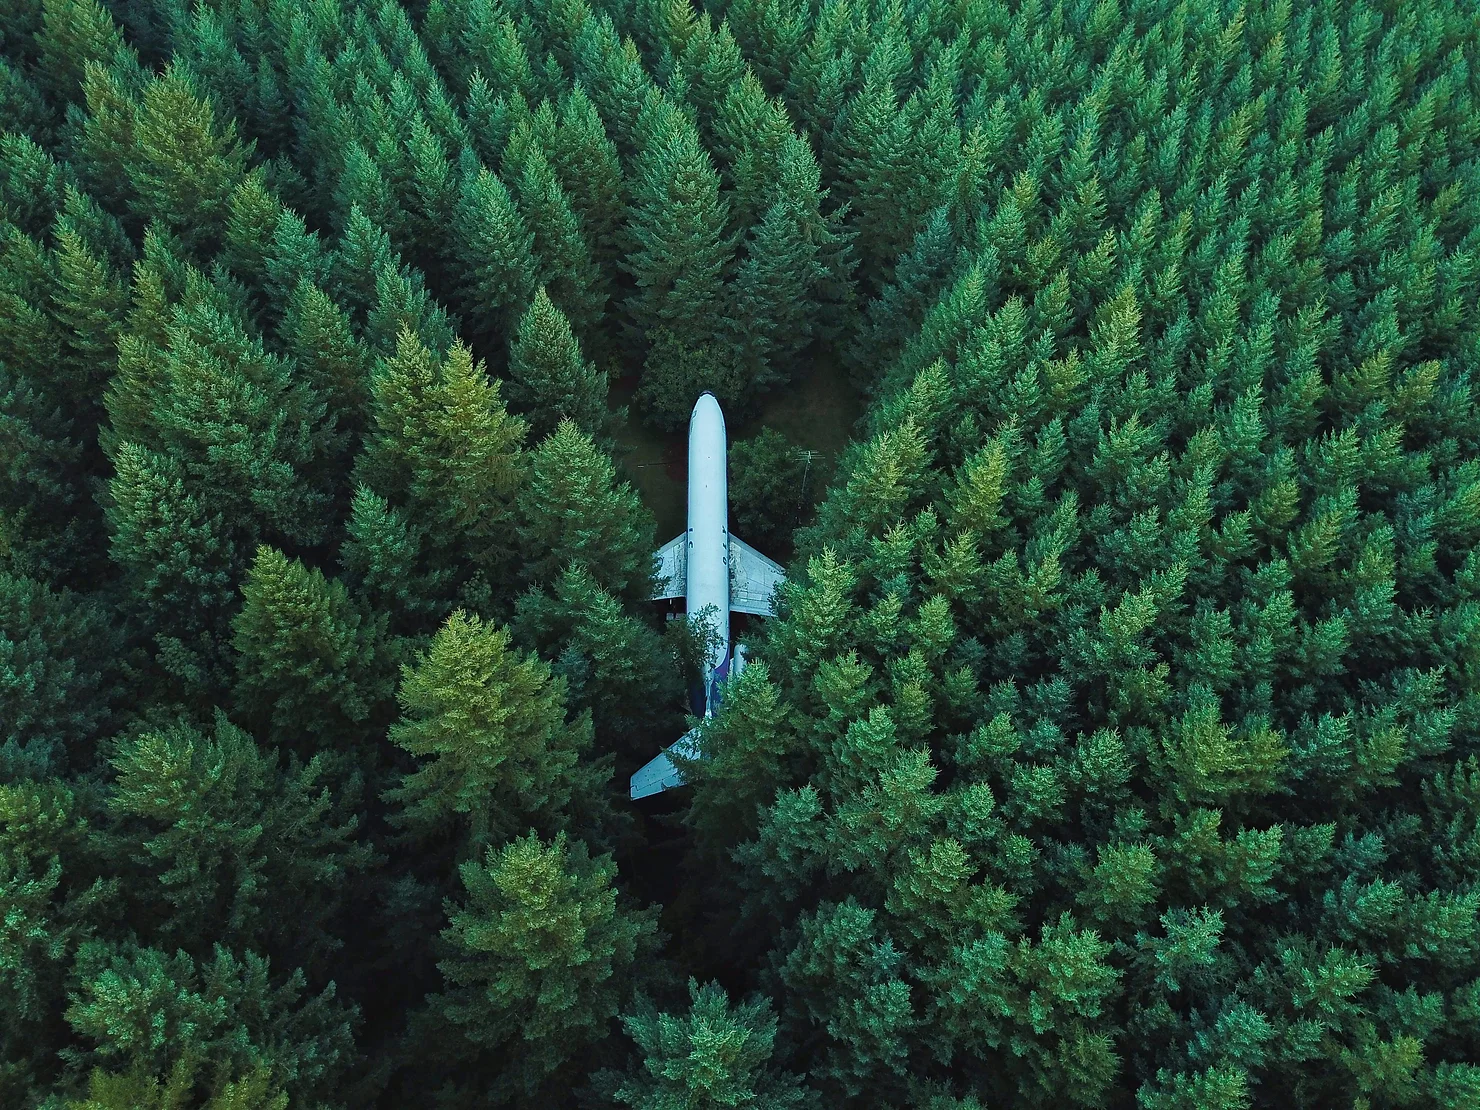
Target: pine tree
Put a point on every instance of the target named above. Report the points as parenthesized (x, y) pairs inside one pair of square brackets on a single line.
[(53, 894), (771, 487), (565, 269), (590, 173), (900, 306), (253, 1091), (183, 168), (144, 1011), (62, 677), (677, 228), (614, 664), (490, 725), (769, 322), (317, 333), (179, 560), (712, 1056), (444, 451), (103, 141), (71, 34), (549, 379), (543, 957), (89, 303), (495, 252), (386, 561), (311, 662), (573, 512), (224, 843)]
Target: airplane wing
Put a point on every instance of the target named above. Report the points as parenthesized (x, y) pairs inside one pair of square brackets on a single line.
[(753, 579), (671, 560), (659, 773)]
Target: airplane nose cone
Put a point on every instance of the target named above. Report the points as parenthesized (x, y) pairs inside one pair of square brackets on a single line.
[(706, 408)]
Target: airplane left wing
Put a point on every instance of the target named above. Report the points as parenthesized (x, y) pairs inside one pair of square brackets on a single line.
[(659, 773), (671, 560), (753, 579)]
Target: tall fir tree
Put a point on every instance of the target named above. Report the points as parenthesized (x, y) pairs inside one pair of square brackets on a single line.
[(543, 956), (498, 751), (574, 511), (550, 379), (313, 665)]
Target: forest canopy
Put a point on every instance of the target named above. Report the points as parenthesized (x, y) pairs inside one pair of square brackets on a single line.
[(1116, 740)]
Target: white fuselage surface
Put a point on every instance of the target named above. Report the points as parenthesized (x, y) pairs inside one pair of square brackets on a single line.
[(707, 556)]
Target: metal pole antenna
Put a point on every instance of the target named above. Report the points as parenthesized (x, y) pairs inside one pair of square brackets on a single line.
[(807, 457)]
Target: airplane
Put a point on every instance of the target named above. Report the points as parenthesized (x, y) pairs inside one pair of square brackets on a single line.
[(707, 566)]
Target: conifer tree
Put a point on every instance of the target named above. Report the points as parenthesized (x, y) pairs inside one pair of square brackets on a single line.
[(317, 333), (919, 278), (179, 560), (62, 673), (311, 662), (613, 662), (388, 562), (712, 1056), (779, 276), (71, 34), (543, 957), (677, 226), (144, 1010), (549, 379), (495, 251), (444, 451), (490, 724), (772, 486), (184, 167), (566, 269), (590, 172), (52, 892), (226, 844), (574, 513)]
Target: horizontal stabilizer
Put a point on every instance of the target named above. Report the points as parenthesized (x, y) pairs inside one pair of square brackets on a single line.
[(671, 560), (659, 773), (753, 579)]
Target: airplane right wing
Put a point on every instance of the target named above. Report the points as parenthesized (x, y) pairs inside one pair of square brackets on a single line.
[(753, 579), (672, 559)]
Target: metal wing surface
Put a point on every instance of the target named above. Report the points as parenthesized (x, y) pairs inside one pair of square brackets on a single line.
[(659, 773), (671, 559), (753, 579)]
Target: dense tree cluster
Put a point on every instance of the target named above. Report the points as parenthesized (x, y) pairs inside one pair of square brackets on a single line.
[(1115, 743)]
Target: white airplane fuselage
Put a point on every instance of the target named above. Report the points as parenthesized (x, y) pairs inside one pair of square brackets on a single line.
[(707, 540), (715, 573)]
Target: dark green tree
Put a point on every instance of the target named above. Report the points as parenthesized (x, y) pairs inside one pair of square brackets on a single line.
[(62, 678), (712, 1056), (141, 1010), (312, 664), (613, 662), (680, 254), (773, 487), (224, 843), (495, 252), (543, 956), (549, 378), (575, 512)]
